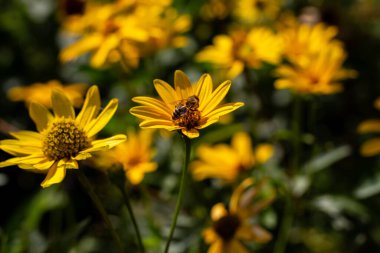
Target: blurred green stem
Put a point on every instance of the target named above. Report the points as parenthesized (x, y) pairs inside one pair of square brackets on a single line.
[(134, 222), (99, 206), (181, 191), (287, 219)]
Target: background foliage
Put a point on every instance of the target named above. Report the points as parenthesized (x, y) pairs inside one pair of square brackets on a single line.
[(337, 191)]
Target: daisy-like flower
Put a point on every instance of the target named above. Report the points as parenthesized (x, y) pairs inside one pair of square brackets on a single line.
[(318, 73), (371, 147), (302, 40), (40, 92), (253, 11), (62, 138), (231, 53), (135, 156), (227, 162), (187, 107), (234, 225)]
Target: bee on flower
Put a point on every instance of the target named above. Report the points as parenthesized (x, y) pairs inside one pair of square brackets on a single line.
[(63, 138), (233, 225), (186, 108)]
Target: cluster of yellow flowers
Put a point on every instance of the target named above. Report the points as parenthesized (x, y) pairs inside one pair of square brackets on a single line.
[(308, 57), (123, 31)]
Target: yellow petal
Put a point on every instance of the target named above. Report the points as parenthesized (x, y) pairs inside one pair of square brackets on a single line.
[(370, 147), (236, 195), (218, 211), (104, 117), (217, 247), (235, 246), (223, 110), (43, 165), (62, 106), (241, 143), (263, 152), (90, 107), (216, 97), (191, 133), (209, 235), (208, 122), (29, 160), (369, 126), (166, 92), (100, 56), (253, 233), (55, 175), (80, 47), (104, 144), (149, 112), (159, 123), (21, 147), (40, 115), (27, 135), (203, 90), (153, 103), (182, 85)]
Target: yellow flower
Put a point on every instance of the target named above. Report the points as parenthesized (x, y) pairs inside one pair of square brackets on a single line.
[(215, 9), (371, 147), (124, 31), (135, 156), (187, 108), (318, 73), (232, 53), (63, 138), (104, 34), (303, 40), (228, 162), (40, 92), (232, 226), (253, 11)]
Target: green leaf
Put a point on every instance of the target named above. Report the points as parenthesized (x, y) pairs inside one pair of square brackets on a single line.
[(325, 160)]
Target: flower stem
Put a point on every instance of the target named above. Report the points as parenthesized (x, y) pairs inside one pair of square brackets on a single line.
[(181, 191), (287, 218), (99, 206), (134, 222)]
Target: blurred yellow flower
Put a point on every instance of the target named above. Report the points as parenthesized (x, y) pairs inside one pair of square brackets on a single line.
[(254, 11), (231, 227), (135, 156), (187, 107), (319, 73), (370, 147), (303, 40), (40, 92), (63, 138), (228, 162), (231, 53), (124, 31)]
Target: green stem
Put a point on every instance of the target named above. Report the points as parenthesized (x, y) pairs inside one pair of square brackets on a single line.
[(296, 121), (99, 206), (134, 222), (181, 191), (287, 218)]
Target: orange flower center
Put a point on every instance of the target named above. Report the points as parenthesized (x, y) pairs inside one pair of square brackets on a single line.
[(227, 226), (260, 5), (64, 140), (110, 27)]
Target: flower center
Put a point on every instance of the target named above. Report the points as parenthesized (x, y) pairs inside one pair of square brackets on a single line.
[(110, 27), (260, 4), (227, 226), (186, 113), (64, 140)]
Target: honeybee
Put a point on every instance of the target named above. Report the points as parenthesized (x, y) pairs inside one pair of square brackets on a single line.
[(184, 106)]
